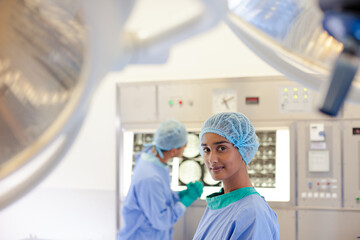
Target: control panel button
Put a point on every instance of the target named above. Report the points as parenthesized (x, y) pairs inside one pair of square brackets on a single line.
[(303, 195)]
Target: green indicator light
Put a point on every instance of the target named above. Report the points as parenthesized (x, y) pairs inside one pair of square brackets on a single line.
[(357, 199), (171, 102)]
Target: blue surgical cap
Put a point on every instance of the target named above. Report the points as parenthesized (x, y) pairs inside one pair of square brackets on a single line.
[(170, 134), (236, 128)]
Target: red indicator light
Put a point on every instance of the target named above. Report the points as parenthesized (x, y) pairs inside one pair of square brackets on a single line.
[(252, 100), (180, 102)]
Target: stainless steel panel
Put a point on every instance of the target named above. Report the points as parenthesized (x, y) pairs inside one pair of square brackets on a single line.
[(351, 164), (192, 218), (351, 111), (319, 188), (138, 104), (328, 225), (287, 223)]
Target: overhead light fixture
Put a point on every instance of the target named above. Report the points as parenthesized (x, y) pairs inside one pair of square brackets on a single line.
[(342, 21), (53, 55), (290, 36)]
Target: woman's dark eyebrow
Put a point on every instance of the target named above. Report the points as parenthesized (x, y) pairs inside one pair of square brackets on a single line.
[(215, 143), (220, 142)]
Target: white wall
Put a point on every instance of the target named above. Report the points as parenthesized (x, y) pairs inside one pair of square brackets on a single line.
[(217, 53), (77, 201)]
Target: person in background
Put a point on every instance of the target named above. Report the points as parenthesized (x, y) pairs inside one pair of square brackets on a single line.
[(151, 208), (228, 144)]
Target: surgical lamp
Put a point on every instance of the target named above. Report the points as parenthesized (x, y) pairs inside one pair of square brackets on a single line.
[(313, 43), (342, 21), (53, 54)]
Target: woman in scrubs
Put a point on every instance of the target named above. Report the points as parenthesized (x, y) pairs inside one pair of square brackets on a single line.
[(151, 208), (238, 211)]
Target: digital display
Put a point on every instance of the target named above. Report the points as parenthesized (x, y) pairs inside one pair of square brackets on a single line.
[(252, 100), (356, 131)]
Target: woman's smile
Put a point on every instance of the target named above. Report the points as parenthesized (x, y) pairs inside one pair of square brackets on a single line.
[(216, 169)]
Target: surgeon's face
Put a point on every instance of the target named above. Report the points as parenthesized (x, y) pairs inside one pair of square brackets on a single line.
[(180, 151), (222, 159)]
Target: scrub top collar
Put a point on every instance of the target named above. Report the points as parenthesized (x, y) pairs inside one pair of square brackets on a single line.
[(151, 158), (220, 200)]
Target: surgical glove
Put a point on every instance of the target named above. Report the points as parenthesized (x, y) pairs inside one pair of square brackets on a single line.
[(187, 199), (193, 192), (198, 186), (182, 193)]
